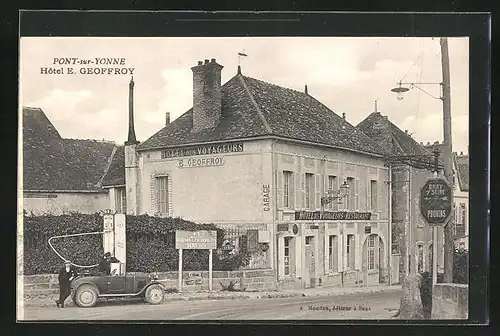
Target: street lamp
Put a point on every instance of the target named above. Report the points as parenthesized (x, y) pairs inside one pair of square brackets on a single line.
[(445, 97), (336, 194)]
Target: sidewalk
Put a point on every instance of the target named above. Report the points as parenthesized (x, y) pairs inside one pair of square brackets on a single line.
[(48, 300)]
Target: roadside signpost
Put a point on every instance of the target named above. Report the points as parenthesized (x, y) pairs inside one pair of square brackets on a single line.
[(436, 205), (196, 240)]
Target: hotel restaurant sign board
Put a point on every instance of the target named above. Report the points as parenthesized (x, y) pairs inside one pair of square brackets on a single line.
[(211, 149), (196, 240), (332, 215), (436, 201)]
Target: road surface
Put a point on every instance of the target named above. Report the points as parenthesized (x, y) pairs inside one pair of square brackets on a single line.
[(353, 306)]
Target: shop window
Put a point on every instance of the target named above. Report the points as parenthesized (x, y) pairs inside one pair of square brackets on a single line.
[(371, 252), (350, 251), (420, 258), (287, 255), (287, 189), (332, 253), (162, 195)]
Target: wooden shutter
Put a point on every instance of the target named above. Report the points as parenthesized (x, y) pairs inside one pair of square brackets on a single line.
[(291, 191), (357, 250), (279, 184), (356, 195), (379, 195), (369, 196), (303, 190), (152, 184), (317, 191)]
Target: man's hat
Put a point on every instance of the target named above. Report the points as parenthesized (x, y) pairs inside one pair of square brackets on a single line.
[(107, 254)]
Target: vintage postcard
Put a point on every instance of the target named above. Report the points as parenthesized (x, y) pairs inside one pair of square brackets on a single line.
[(288, 178)]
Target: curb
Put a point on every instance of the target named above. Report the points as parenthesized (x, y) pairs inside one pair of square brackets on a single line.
[(351, 292)]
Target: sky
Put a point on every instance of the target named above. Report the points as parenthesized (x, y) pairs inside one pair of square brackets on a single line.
[(346, 74)]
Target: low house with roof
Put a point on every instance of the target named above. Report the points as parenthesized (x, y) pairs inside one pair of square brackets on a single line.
[(256, 158), (62, 175), (411, 166), (460, 196)]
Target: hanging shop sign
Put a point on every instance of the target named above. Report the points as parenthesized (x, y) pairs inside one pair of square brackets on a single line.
[(202, 150), (332, 215)]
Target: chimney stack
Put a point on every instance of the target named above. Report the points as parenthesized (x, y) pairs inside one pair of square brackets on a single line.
[(461, 153), (406, 131), (343, 116), (207, 95), (131, 140), (305, 90), (167, 118)]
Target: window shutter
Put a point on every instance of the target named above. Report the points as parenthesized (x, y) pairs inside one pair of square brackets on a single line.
[(317, 191), (303, 190), (340, 252), (357, 254), (154, 208), (356, 196), (292, 192), (279, 183), (379, 195), (369, 195), (326, 248)]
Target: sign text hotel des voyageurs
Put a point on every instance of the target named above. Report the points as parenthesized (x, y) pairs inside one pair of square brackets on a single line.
[(332, 215), (202, 150)]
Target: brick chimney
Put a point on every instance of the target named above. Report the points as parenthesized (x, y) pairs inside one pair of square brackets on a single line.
[(167, 118), (343, 116), (207, 95)]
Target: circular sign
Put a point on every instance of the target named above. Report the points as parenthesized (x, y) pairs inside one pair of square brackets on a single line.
[(295, 229), (436, 201)]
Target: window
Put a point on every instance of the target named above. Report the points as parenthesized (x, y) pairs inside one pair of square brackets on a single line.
[(309, 191), (463, 213), (373, 196), (287, 189), (332, 185), (308, 240), (120, 201), (420, 258), (332, 253), (351, 195), (287, 255), (350, 251), (162, 195), (371, 252)]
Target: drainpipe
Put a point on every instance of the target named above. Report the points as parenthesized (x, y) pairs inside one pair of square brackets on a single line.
[(390, 226)]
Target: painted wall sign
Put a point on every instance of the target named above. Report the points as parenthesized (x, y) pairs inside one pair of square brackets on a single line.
[(313, 227), (196, 240), (202, 150), (266, 190), (332, 215), (282, 227), (201, 162)]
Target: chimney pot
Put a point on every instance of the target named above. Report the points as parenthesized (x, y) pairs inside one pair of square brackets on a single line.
[(343, 116), (167, 118), (421, 143), (461, 153), (206, 61), (406, 131), (200, 62), (305, 89), (212, 60)]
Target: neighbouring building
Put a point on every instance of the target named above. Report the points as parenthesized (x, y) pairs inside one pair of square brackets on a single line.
[(62, 175), (412, 239), (256, 158), (460, 196)]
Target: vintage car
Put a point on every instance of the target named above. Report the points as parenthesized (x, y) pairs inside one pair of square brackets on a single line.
[(86, 289)]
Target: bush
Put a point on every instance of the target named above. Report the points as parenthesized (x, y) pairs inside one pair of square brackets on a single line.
[(150, 244), (461, 266)]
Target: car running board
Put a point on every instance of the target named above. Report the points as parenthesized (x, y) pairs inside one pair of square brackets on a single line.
[(114, 295)]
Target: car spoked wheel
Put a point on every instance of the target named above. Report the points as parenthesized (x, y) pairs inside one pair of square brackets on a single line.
[(154, 294), (86, 296)]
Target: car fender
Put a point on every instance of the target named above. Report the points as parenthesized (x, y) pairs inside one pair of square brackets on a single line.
[(153, 283)]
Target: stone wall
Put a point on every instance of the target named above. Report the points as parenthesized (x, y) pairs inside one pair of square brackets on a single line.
[(450, 301), (248, 280)]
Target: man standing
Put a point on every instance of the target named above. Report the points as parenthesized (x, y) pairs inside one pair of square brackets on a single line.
[(66, 274)]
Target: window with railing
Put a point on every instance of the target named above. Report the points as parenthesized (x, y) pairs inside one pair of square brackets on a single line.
[(351, 195), (332, 186), (120, 201)]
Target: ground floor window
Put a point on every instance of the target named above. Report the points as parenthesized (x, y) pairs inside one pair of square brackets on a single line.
[(332, 253)]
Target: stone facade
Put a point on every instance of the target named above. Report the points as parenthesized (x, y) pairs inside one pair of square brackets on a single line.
[(57, 203)]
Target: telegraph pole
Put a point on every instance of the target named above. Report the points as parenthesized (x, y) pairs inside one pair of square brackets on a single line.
[(447, 158)]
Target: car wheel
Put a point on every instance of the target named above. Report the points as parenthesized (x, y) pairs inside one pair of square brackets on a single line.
[(86, 296), (154, 294)]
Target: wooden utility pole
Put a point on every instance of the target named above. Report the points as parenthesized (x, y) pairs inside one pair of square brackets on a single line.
[(447, 158)]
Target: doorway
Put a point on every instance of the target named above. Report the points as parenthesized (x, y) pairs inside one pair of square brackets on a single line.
[(310, 267)]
